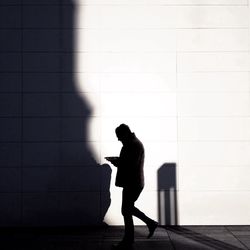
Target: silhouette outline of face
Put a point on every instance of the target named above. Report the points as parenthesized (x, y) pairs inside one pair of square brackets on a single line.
[(123, 133)]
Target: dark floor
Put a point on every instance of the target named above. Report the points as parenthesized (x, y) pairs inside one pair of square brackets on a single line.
[(188, 237)]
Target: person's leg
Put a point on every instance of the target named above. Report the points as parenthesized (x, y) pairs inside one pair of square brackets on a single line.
[(139, 214), (152, 225), (127, 212)]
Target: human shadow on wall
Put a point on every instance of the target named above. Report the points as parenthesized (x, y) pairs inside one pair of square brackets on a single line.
[(167, 195), (61, 182)]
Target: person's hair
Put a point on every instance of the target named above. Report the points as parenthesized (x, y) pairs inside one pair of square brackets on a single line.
[(122, 130)]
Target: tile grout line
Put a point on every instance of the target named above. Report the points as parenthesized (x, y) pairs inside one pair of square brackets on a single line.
[(171, 242)]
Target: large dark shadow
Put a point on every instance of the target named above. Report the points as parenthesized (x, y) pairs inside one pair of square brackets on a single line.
[(167, 195), (52, 177)]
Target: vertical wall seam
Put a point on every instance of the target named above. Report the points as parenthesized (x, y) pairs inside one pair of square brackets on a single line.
[(22, 93), (177, 127)]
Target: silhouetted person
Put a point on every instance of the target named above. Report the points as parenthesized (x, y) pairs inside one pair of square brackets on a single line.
[(130, 177)]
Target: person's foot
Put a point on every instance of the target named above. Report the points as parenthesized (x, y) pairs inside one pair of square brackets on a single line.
[(151, 227), (123, 245)]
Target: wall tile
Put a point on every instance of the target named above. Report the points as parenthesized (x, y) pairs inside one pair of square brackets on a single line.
[(10, 62), (214, 129), (41, 62), (10, 154), (10, 40), (10, 82), (10, 180), (207, 62), (10, 16), (68, 179), (144, 104), (41, 40), (214, 178), (41, 82), (204, 208), (138, 62), (212, 40), (42, 209), (10, 104), (214, 153), (213, 104), (41, 16), (41, 129), (169, 17), (213, 81), (41, 104), (41, 154), (138, 82), (11, 129), (10, 209), (136, 40)]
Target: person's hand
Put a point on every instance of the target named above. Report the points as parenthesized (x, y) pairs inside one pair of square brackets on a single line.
[(114, 160)]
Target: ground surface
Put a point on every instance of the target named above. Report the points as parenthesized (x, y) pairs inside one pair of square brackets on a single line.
[(168, 238)]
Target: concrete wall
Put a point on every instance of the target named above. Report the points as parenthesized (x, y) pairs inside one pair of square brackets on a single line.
[(176, 71)]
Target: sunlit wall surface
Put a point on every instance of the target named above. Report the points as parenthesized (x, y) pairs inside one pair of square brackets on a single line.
[(176, 71)]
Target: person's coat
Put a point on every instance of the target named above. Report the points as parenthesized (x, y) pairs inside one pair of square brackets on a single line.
[(130, 172)]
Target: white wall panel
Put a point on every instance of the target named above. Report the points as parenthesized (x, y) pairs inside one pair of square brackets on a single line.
[(214, 208), (214, 104), (136, 62), (174, 17), (205, 62), (148, 16), (138, 40), (214, 81), (214, 129), (159, 153), (213, 40), (135, 105), (214, 153), (138, 82), (214, 178)]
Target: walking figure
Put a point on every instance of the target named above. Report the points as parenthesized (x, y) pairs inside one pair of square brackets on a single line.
[(130, 176)]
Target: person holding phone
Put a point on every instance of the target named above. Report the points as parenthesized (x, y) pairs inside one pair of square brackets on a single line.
[(130, 177)]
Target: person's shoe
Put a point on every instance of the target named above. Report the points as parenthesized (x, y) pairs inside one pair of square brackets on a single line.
[(151, 227), (123, 245)]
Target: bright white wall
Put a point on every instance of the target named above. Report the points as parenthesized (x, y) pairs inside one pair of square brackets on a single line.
[(177, 72)]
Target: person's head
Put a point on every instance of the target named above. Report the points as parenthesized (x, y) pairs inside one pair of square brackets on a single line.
[(123, 133)]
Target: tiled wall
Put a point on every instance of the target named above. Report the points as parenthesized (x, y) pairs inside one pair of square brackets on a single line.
[(176, 71)]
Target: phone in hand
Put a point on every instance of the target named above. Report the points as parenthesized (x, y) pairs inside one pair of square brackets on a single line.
[(113, 160)]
